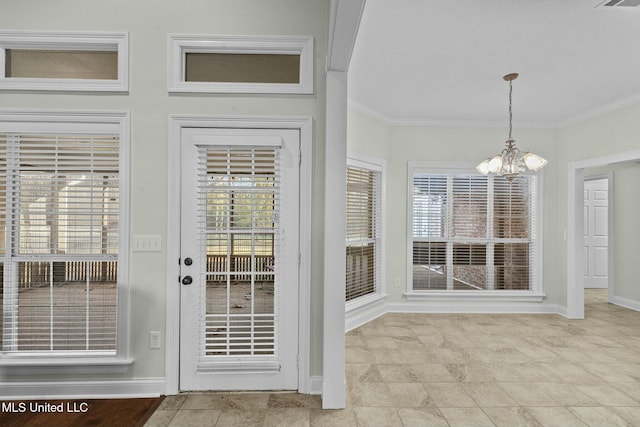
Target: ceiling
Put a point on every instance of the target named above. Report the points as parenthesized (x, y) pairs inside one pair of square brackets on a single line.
[(442, 62)]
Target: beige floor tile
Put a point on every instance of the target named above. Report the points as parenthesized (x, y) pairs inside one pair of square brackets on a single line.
[(630, 388), (466, 417), (172, 402), (374, 342), (241, 418), (287, 417), (195, 418), (610, 372), (422, 417), (362, 373), (606, 395), (398, 373), (432, 372), (527, 394), (370, 394), (488, 394), (570, 373), (376, 417), (387, 355), (469, 372), (456, 370), (566, 394), (449, 395), (410, 395), (161, 418), (555, 417), (511, 417), (289, 400), (629, 413), (600, 417), (358, 355), (332, 418)]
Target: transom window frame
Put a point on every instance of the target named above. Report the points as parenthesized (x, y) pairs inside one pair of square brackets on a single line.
[(536, 291), (377, 165), (58, 40), (180, 45), (76, 122)]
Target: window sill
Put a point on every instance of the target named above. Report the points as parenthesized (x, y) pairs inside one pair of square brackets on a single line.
[(64, 366), (493, 296)]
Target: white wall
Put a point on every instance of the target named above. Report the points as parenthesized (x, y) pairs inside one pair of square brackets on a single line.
[(615, 132), (400, 144), (148, 23), (611, 133)]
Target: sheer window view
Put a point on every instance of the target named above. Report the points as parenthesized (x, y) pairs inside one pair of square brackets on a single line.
[(472, 232), (59, 203), (362, 232), (239, 195)]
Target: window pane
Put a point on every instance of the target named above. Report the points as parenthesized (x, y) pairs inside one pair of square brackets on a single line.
[(512, 207), (429, 265), (511, 262), (61, 64), (66, 306), (453, 248), (360, 271), (429, 205), (469, 206), (62, 195), (241, 68), (470, 265), (362, 232)]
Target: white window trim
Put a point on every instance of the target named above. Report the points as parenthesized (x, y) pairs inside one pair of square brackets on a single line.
[(180, 45), (54, 40), (380, 165), (82, 122), (535, 294)]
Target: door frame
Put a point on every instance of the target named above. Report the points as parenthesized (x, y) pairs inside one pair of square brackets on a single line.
[(172, 318), (575, 228)]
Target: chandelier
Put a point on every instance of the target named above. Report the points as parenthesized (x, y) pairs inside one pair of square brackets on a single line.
[(511, 161)]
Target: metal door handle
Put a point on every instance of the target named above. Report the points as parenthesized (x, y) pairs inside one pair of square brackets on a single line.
[(187, 280), (188, 261)]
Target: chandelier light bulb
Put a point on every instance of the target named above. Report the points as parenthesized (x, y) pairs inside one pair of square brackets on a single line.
[(533, 161)]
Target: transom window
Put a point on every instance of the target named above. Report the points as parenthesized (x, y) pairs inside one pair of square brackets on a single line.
[(472, 232), (57, 61)]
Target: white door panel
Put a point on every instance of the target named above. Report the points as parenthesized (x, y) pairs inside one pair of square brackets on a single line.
[(596, 233), (239, 259)]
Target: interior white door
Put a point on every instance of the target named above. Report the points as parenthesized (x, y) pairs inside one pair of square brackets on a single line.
[(596, 239), (239, 259)]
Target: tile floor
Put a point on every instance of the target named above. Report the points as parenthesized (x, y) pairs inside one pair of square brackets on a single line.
[(455, 370)]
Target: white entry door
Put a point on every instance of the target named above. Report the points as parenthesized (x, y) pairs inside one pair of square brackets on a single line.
[(239, 259), (596, 233)]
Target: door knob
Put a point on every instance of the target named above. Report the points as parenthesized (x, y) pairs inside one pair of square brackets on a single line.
[(187, 280), (188, 261)]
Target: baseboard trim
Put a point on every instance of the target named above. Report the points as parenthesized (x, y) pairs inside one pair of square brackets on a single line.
[(625, 302), (108, 389), (488, 307), (361, 315), (315, 384)]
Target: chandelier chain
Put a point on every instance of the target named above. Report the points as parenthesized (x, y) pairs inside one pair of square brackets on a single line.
[(510, 109)]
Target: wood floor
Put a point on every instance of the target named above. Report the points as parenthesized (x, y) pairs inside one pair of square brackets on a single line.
[(78, 413)]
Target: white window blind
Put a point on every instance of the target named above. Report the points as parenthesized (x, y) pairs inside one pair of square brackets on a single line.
[(59, 201), (363, 234), (472, 232), (239, 198)]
